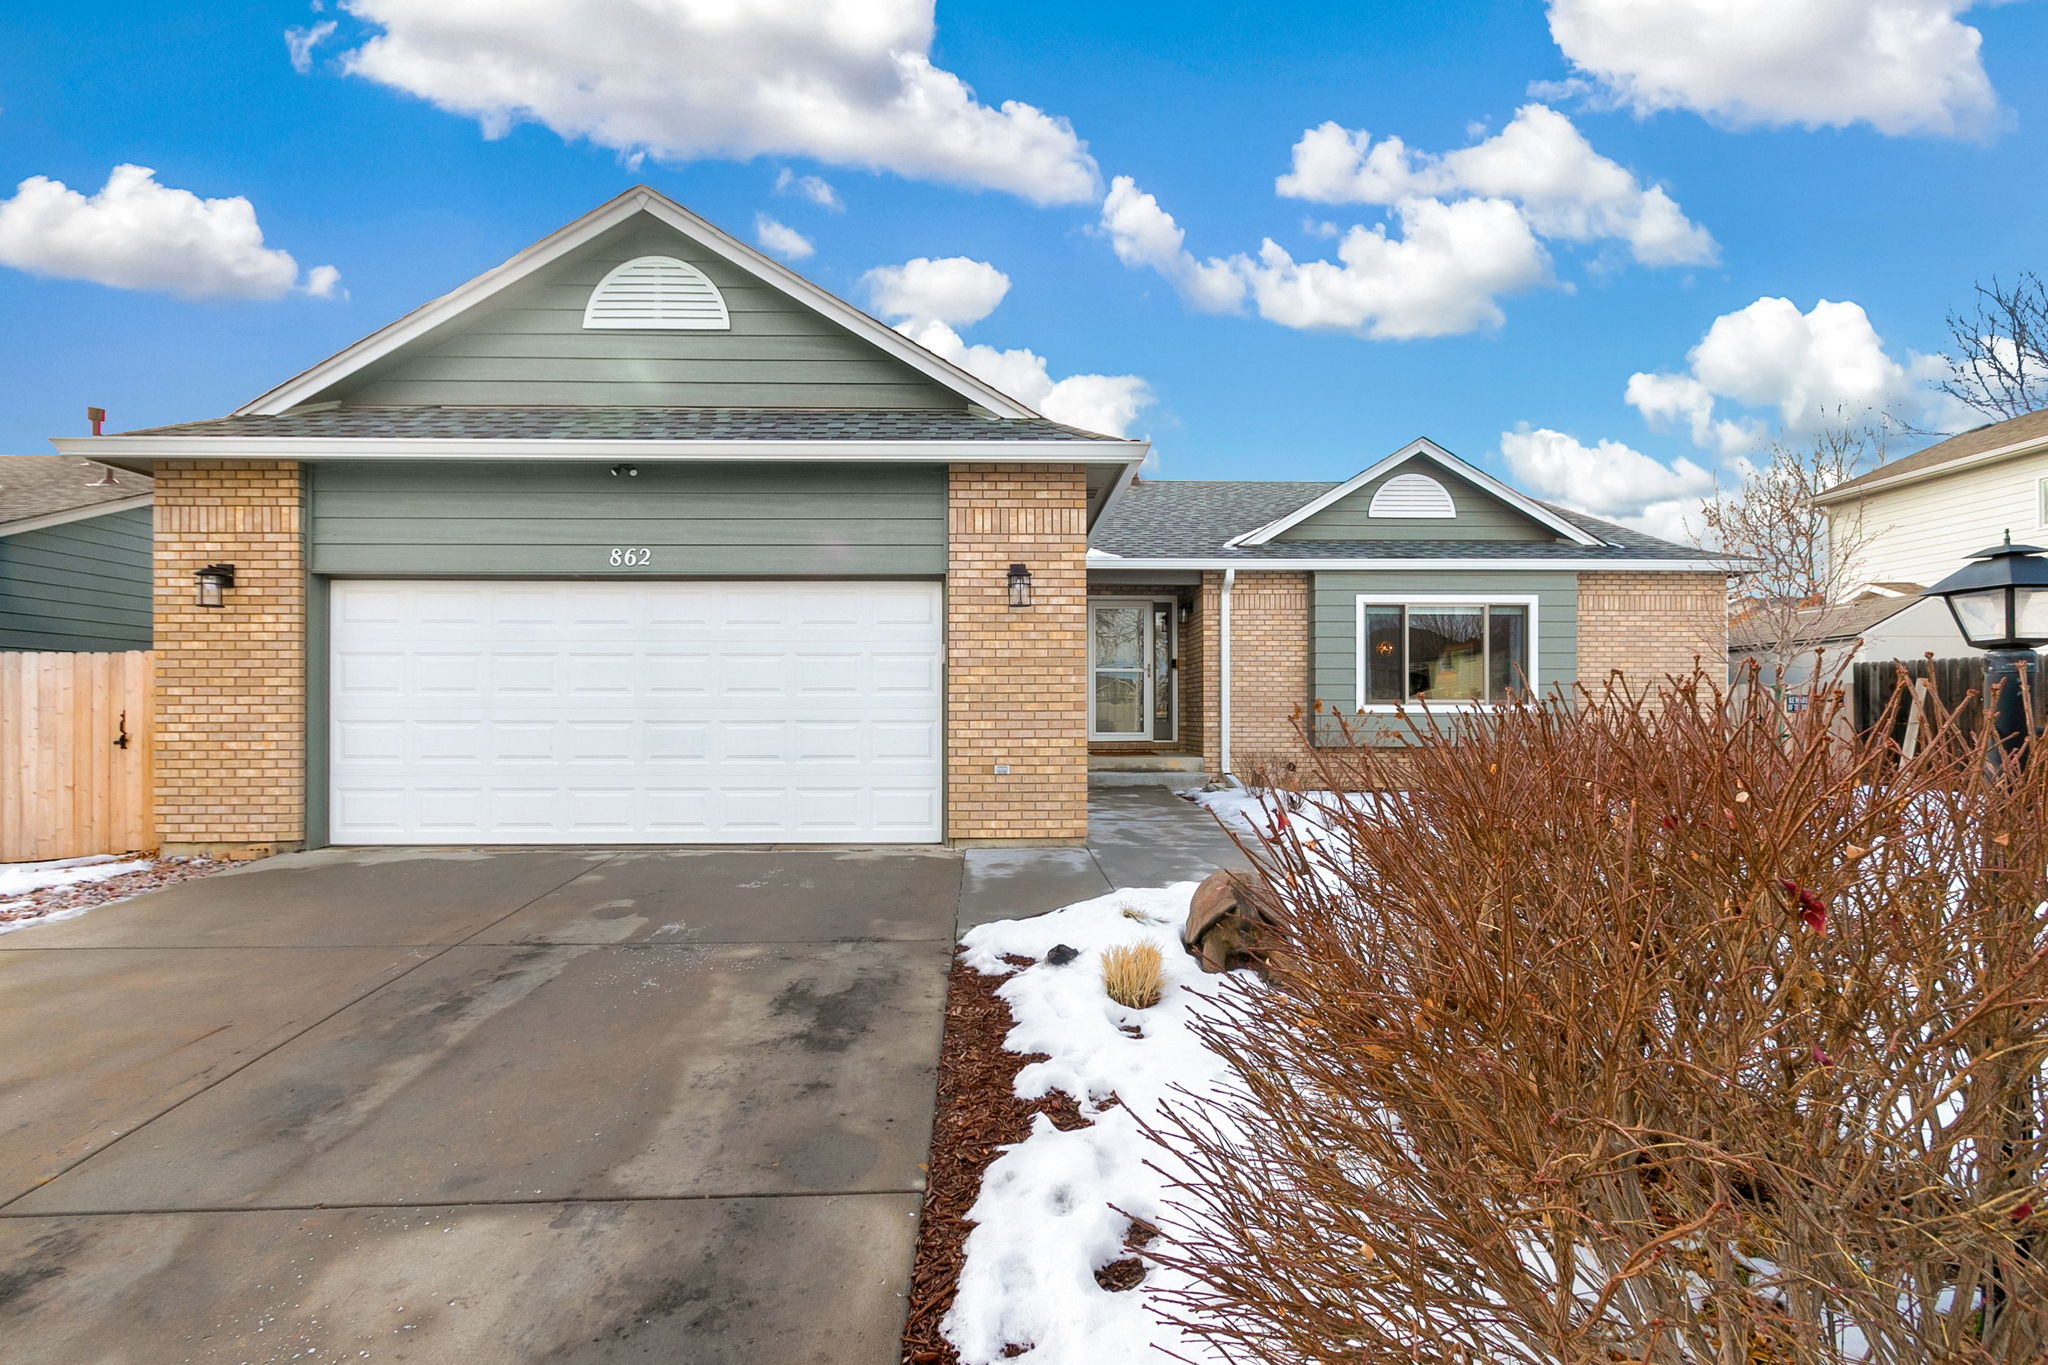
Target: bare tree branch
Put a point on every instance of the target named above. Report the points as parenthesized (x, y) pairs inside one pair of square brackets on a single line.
[(1805, 561), (1999, 361)]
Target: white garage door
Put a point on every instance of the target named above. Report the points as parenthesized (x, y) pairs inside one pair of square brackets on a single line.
[(656, 712)]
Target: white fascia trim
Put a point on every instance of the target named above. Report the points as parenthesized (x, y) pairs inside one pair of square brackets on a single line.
[(310, 383), (1834, 495), (417, 448), (1466, 599), (71, 514), (1430, 450), (1720, 566)]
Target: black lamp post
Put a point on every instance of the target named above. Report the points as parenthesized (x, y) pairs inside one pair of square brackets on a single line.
[(2000, 602)]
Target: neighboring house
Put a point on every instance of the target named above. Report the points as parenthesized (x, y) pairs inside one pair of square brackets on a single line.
[(74, 555), (642, 538), (1885, 622), (1917, 519)]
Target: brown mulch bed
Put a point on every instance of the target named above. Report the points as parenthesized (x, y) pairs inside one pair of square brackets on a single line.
[(978, 1114), (82, 895)]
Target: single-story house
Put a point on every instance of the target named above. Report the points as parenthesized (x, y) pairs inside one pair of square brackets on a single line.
[(643, 538), (1881, 623), (74, 555)]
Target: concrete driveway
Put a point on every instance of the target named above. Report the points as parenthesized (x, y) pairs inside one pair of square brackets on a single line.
[(535, 1105)]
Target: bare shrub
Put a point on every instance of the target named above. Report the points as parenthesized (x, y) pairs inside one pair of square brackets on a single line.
[(1134, 974), (1633, 1032)]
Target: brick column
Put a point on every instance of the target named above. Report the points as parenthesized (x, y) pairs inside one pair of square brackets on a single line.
[(1016, 679), (1650, 625), (230, 682), (1204, 639), (1269, 682)]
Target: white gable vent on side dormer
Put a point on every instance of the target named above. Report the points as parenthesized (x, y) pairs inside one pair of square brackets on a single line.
[(657, 293), (1412, 495)]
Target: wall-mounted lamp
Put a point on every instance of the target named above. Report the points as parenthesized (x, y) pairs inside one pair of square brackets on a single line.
[(214, 581), (1020, 586), (625, 471), (1187, 611)]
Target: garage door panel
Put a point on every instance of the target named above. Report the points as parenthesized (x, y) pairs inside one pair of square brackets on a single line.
[(651, 712)]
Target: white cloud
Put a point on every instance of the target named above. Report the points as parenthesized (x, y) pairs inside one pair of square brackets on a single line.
[(138, 234), (1808, 369), (782, 239), (1540, 161), (849, 84), (1144, 234), (1608, 479), (811, 187), (929, 298), (1439, 277), (300, 42), (1902, 66), (955, 290), (1108, 403)]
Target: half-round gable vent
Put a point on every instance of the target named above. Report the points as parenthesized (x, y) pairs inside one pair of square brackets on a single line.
[(657, 293), (1412, 495)]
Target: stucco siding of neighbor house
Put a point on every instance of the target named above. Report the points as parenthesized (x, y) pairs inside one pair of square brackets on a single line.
[(1334, 629), (1920, 533), (553, 519), (1481, 515), (80, 586), (529, 347)]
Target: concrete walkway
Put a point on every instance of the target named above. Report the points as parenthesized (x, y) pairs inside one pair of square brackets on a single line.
[(1137, 836), (561, 1105)]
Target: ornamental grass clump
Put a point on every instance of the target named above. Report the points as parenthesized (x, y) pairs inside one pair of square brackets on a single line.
[(1134, 974), (1637, 1030)]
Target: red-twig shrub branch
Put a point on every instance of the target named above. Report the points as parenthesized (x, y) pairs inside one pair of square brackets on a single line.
[(1632, 1031)]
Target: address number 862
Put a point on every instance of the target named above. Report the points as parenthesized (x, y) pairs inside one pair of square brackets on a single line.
[(631, 557)]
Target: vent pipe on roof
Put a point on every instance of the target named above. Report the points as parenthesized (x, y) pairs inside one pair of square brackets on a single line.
[(96, 416)]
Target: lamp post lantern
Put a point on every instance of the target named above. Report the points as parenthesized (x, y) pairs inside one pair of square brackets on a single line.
[(2000, 602)]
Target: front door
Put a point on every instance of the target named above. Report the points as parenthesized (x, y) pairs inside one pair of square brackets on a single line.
[(1130, 661)]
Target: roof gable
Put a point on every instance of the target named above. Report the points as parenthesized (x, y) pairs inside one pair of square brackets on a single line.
[(515, 334), (1485, 509)]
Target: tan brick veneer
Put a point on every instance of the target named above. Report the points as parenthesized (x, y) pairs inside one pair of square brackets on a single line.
[(230, 683), (1651, 625), (1269, 662), (1016, 678)]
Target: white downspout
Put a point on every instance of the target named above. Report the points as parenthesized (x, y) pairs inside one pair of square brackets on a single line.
[(1223, 684)]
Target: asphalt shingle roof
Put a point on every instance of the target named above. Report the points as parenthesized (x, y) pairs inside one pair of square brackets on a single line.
[(39, 485), (1196, 519), (1817, 625), (630, 424), (2031, 426)]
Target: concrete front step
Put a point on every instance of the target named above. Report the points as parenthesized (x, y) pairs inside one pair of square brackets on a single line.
[(1134, 770)]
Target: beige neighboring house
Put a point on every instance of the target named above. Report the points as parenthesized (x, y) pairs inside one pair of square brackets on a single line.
[(1916, 520)]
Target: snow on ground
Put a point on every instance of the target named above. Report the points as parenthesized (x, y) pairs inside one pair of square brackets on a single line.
[(43, 893), (18, 879), (1044, 1221)]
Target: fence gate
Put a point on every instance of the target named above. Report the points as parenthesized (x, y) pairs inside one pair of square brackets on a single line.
[(75, 755)]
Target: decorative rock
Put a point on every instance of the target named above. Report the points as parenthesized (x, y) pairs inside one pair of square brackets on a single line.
[(1061, 955), (1228, 925)]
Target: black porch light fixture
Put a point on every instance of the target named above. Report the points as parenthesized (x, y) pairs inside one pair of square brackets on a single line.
[(1020, 586), (2000, 602), (214, 581)]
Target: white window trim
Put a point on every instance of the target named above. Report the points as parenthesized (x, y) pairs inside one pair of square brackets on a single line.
[(1463, 599)]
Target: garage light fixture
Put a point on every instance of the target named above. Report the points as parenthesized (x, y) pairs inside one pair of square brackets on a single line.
[(1020, 586), (625, 471), (214, 581)]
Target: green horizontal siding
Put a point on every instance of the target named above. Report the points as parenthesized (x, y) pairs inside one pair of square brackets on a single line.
[(83, 586), (1481, 515), (547, 520), (529, 347), (1333, 626)]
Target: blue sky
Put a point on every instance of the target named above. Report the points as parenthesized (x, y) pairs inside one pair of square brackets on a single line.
[(1804, 152)]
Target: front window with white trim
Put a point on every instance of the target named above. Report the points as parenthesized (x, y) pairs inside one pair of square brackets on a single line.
[(1461, 651)]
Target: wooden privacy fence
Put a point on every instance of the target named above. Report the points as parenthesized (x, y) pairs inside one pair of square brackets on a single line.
[(74, 755), (1957, 684)]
